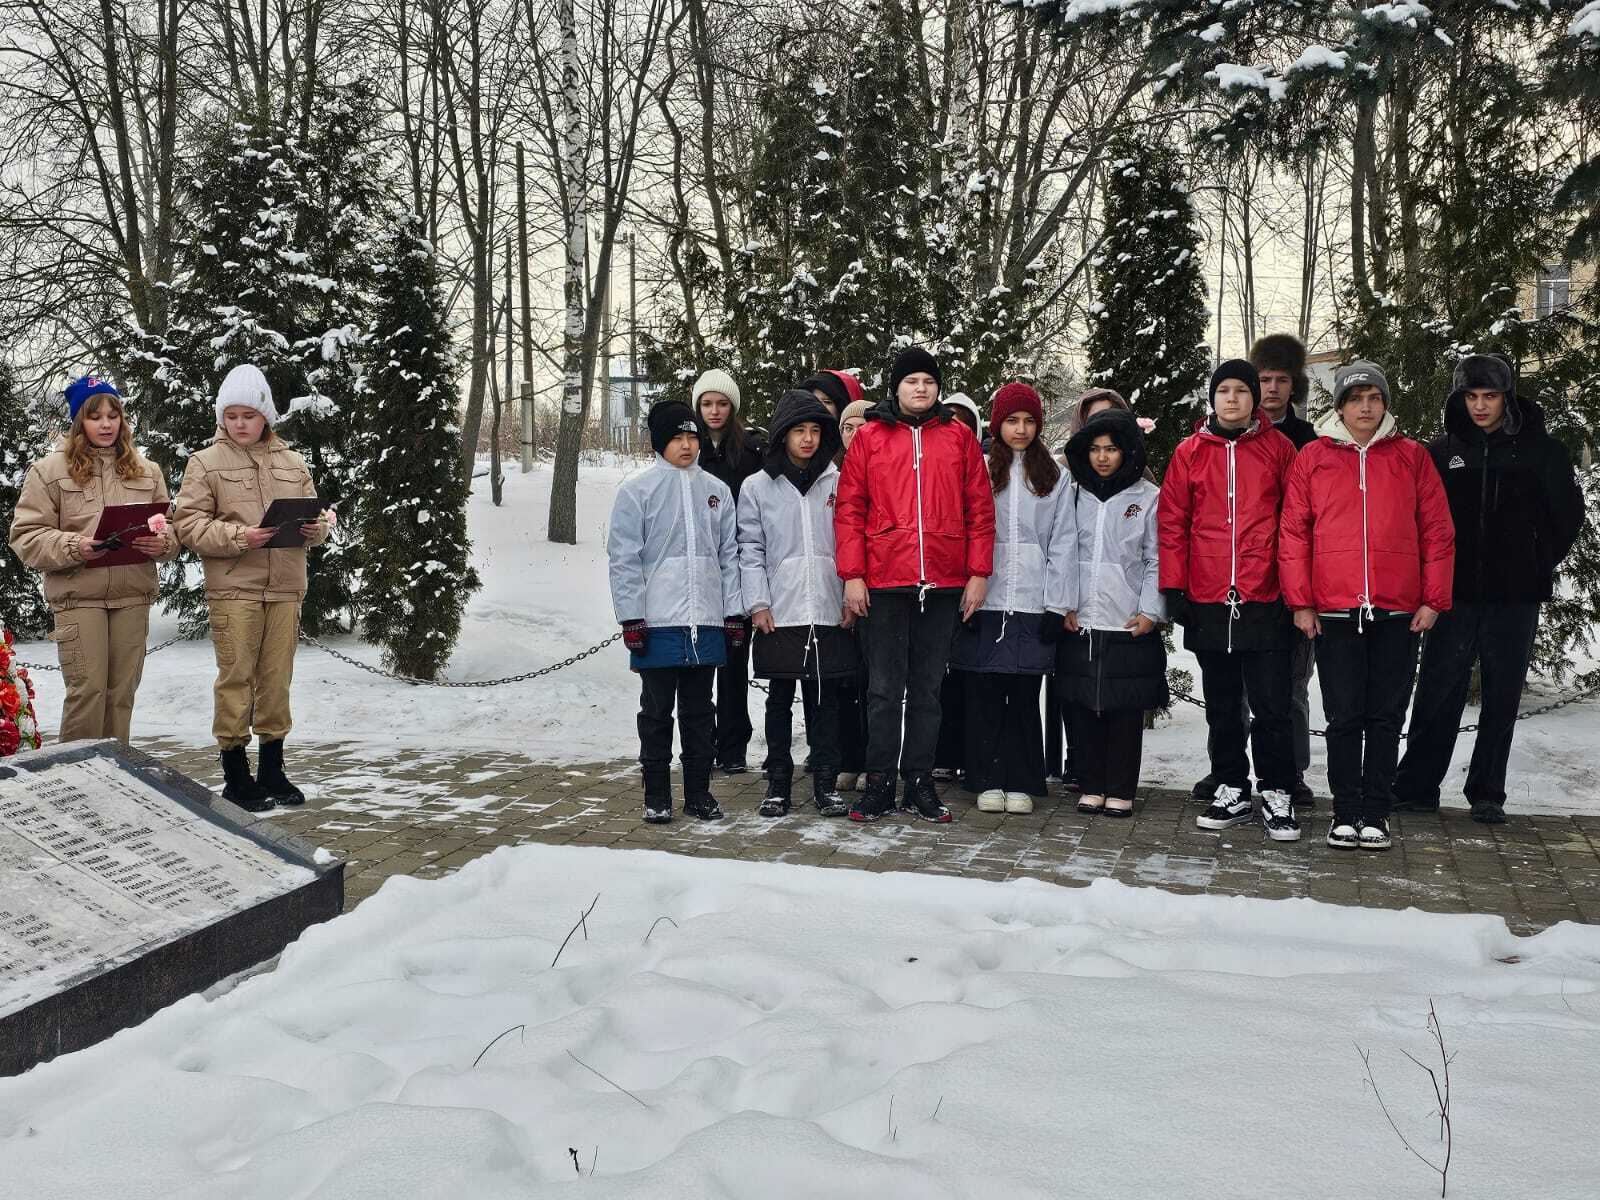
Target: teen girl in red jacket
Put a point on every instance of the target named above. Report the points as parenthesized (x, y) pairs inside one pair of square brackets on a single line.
[(914, 528), (1367, 554)]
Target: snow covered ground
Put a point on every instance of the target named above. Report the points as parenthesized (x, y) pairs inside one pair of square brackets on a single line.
[(967, 1039), (541, 603)]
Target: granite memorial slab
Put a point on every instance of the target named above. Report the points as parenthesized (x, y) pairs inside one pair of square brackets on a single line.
[(125, 886)]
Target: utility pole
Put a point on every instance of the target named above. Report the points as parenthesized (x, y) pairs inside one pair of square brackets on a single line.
[(607, 332), (527, 322), (634, 414)]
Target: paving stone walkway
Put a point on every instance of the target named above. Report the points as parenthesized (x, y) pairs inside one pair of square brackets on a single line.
[(429, 813)]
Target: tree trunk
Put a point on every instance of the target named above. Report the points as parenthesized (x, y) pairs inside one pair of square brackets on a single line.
[(563, 525)]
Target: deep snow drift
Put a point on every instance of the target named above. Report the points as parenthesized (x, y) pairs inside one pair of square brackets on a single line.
[(1033, 1041), (541, 603)]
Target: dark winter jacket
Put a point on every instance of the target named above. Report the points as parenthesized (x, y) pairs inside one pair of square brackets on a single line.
[(915, 507), (1296, 428), (1517, 504), (715, 461), (1111, 670)]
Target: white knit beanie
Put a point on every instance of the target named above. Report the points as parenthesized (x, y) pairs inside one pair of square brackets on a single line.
[(716, 381), (246, 387)]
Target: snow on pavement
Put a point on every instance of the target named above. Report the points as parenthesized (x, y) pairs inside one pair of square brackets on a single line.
[(541, 603), (1031, 1041)]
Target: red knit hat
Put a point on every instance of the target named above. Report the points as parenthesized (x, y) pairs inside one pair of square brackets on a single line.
[(1013, 398), (851, 384)]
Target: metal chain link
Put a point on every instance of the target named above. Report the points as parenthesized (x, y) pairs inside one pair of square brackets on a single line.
[(465, 683)]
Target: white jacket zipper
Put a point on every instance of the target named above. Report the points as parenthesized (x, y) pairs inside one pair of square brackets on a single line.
[(1365, 599), (687, 493), (1233, 541), (922, 554)]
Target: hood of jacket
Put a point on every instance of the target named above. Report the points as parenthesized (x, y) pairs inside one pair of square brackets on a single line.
[(1330, 426), (1126, 434), (795, 407), (1486, 371), (888, 409)]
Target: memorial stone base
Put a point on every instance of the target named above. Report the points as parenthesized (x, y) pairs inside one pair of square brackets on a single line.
[(125, 886)]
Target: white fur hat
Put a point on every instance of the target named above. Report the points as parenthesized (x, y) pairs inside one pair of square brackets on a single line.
[(246, 387), (715, 380)]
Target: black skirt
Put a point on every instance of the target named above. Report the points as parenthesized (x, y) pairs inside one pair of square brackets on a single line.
[(1020, 649), (1111, 670), (789, 652)]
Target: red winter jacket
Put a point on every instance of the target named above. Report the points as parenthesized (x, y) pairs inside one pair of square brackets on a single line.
[(1368, 530), (1220, 501), (914, 505)]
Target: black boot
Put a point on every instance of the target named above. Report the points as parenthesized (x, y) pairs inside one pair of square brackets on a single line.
[(780, 782), (1301, 794), (697, 798), (272, 779), (237, 785), (825, 793), (875, 800), (1205, 790), (658, 794), (922, 798)]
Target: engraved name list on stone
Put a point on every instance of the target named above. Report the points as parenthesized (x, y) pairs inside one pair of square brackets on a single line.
[(97, 865)]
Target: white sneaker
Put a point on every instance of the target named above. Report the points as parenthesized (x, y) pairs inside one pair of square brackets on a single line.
[(1231, 807), (1277, 814), (1019, 802), (847, 782), (1375, 834), (993, 800), (1342, 834)]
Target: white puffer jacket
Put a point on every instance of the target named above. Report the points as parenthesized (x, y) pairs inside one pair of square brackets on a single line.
[(786, 555), (1024, 525), (1104, 564), (673, 549)]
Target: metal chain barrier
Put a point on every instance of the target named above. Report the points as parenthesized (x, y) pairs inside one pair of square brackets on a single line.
[(411, 681)]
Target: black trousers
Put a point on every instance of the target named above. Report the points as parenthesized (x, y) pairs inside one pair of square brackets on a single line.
[(1005, 741), (852, 725), (822, 725), (1058, 755), (1110, 750), (1366, 672), (951, 749), (907, 647), (733, 728), (690, 688), (1500, 638), (1227, 681)]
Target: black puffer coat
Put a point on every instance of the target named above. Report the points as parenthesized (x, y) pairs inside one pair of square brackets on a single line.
[(733, 471), (997, 643), (1516, 502)]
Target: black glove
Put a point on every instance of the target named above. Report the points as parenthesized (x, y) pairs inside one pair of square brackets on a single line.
[(737, 631), (634, 636), (1177, 605)]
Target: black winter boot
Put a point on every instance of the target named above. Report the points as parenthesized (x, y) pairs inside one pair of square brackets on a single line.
[(697, 798), (273, 780), (825, 794), (238, 787), (657, 795), (876, 799), (780, 782), (922, 798)]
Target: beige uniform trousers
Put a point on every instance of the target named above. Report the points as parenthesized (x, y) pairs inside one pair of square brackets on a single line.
[(255, 642), (102, 659)]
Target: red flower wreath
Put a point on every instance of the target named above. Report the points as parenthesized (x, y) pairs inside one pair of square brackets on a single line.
[(19, 729)]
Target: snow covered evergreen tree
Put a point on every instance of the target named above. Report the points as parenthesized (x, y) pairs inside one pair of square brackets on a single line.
[(1149, 316), (277, 269), (419, 577), (22, 440)]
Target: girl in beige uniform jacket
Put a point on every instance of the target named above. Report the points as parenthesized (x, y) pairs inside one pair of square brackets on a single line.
[(102, 614), (253, 592)]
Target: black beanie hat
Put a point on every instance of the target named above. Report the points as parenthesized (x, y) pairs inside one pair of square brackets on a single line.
[(829, 385), (908, 362), (1235, 368), (667, 420)]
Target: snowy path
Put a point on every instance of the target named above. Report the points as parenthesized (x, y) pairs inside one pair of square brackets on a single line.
[(793, 1032)]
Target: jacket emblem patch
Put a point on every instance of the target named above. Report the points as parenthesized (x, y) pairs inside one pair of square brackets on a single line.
[(713, 501), (1133, 511), (1457, 461), (830, 498)]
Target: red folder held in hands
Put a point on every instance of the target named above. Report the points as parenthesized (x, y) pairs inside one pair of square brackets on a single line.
[(120, 525)]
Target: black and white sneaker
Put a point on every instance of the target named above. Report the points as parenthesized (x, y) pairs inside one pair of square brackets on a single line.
[(1342, 834), (825, 794), (1230, 807), (658, 814), (1277, 814), (1375, 834), (775, 806)]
